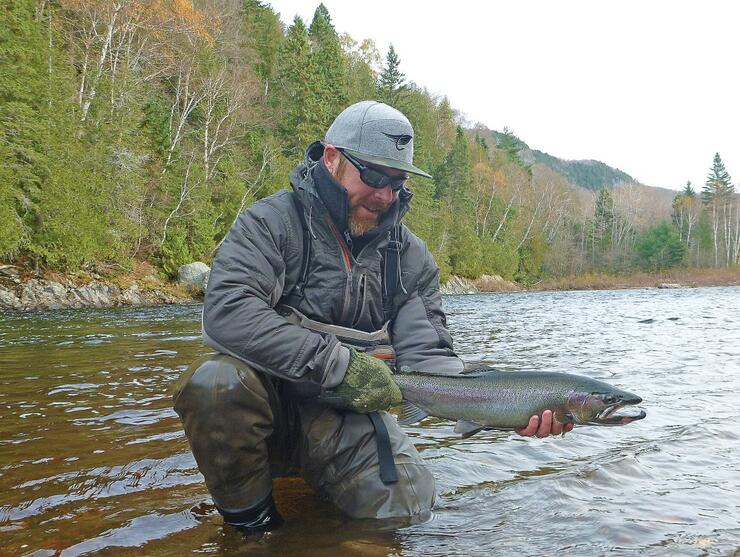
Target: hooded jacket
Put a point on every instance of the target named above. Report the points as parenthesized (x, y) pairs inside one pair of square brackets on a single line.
[(260, 266)]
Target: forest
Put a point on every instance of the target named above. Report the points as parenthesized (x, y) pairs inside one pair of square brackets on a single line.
[(136, 130)]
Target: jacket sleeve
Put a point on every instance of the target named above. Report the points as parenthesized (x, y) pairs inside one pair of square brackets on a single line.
[(419, 331), (245, 284)]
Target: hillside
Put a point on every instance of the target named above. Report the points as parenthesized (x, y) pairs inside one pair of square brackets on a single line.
[(648, 204), (588, 174)]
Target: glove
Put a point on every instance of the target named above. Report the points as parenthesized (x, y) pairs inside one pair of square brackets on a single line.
[(368, 385)]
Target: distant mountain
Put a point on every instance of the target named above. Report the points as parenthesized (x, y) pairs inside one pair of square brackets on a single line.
[(589, 174)]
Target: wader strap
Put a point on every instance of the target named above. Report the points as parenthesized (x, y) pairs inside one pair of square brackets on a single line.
[(386, 464), (391, 272)]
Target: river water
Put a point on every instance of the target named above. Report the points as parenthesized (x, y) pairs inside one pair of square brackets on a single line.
[(93, 458)]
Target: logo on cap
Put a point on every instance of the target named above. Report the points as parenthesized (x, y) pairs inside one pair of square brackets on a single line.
[(400, 140)]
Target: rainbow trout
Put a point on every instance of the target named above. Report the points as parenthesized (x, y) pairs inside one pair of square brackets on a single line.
[(506, 400)]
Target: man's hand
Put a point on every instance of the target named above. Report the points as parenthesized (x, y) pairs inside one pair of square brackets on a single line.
[(548, 426), (368, 385)]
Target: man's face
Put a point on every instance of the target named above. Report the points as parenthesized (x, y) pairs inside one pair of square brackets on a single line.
[(366, 204)]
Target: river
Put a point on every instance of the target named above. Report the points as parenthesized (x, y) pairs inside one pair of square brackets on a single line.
[(93, 458)]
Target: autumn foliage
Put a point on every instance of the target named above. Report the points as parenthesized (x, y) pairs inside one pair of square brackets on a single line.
[(138, 130)]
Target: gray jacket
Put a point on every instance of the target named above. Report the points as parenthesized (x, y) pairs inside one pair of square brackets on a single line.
[(261, 262)]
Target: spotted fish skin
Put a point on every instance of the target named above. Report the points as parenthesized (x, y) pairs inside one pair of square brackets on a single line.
[(507, 400)]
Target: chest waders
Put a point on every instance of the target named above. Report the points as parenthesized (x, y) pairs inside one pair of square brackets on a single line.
[(377, 344)]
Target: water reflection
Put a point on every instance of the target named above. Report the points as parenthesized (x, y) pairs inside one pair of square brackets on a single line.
[(93, 459)]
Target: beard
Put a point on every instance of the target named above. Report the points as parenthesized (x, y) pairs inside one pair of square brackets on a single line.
[(359, 226)]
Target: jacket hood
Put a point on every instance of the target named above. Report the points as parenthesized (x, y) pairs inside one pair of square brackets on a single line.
[(319, 191)]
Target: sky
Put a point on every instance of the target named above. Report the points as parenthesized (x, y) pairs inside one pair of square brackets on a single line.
[(650, 87)]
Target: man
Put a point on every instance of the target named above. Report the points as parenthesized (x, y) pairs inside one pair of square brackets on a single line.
[(310, 289)]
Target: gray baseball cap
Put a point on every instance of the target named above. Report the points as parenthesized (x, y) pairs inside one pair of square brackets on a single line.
[(375, 133)]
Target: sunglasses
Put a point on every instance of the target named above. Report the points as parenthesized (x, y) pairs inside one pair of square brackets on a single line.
[(375, 178)]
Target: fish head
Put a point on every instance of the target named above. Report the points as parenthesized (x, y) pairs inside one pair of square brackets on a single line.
[(603, 407)]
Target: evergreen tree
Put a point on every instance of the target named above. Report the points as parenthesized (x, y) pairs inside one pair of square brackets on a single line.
[(264, 35), (11, 225), (23, 97), (454, 183), (454, 177), (427, 217), (604, 213), (391, 82), (688, 190), (660, 247), (511, 145), (717, 195), (718, 187), (294, 73), (321, 17), (327, 94)]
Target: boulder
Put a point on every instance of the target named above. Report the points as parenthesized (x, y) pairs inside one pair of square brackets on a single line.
[(10, 273), (495, 283), (459, 285), (193, 275), (132, 296), (8, 300), (45, 294), (97, 294)]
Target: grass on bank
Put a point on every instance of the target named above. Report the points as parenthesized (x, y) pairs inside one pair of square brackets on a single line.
[(686, 277)]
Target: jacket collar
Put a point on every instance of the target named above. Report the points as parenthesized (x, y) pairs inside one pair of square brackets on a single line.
[(319, 191)]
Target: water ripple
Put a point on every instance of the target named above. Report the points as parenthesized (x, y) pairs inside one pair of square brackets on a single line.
[(94, 459)]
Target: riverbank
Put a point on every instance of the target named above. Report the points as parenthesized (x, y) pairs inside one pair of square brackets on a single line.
[(672, 278), (22, 290)]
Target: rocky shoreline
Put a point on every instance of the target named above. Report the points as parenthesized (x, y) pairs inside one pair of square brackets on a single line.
[(18, 293), (39, 294), (485, 283), (22, 292)]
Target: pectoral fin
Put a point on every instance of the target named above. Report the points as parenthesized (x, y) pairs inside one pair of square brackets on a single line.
[(410, 414), (466, 428)]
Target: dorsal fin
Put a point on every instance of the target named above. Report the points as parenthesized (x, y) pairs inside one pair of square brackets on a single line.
[(457, 374)]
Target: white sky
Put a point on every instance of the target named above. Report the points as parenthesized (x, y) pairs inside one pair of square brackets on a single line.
[(647, 86)]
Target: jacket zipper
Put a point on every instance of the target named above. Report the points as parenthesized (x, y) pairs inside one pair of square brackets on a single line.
[(347, 258), (361, 297)]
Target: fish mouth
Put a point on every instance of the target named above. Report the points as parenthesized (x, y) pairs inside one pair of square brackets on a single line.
[(618, 414)]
